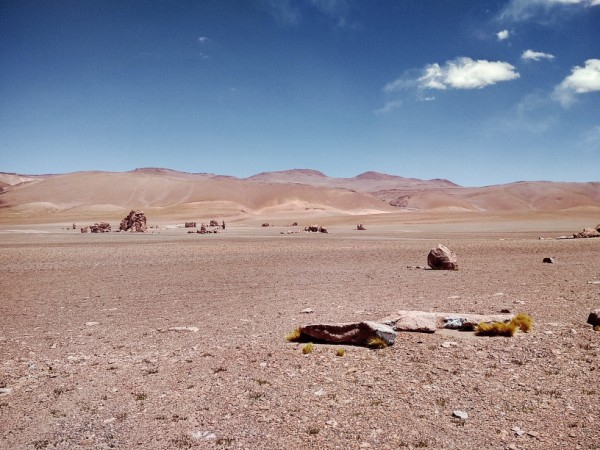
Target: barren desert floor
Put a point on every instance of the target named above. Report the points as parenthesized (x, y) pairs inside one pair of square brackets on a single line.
[(170, 340)]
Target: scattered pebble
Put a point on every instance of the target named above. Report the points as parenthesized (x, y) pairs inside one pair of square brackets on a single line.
[(594, 282), (549, 260), (192, 329), (449, 344), (203, 435), (5, 391), (307, 311), (91, 324)]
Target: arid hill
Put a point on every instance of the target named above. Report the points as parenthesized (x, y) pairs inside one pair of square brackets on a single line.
[(180, 195)]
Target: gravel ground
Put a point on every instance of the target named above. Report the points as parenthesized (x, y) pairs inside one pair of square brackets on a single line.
[(89, 358)]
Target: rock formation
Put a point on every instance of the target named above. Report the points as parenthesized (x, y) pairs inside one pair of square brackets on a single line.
[(359, 333), (587, 233), (101, 227), (315, 229), (134, 222), (442, 258), (214, 223), (360, 227), (430, 322), (190, 224), (84, 229)]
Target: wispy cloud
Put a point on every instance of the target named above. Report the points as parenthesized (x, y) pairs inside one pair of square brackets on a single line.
[(521, 10), (536, 56), (389, 106), (502, 35), (582, 80), (285, 12), (202, 39), (290, 12), (532, 115)]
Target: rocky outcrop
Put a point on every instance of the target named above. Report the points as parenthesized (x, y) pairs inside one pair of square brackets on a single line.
[(134, 222), (190, 224), (358, 333), (430, 322), (315, 229), (594, 318), (442, 258), (101, 227), (587, 233), (214, 223)]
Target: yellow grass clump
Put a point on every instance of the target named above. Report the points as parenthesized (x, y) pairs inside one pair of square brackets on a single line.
[(376, 342), (308, 348), (294, 336), (340, 352), (521, 321)]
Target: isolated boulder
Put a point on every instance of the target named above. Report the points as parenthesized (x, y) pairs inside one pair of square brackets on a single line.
[(101, 227), (357, 333), (442, 258), (214, 223), (587, 233), (134, 222), (430, 322), (549, 260), (594, 318), (360, 227)]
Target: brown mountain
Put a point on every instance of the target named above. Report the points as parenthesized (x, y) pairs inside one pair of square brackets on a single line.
[(180, 195)]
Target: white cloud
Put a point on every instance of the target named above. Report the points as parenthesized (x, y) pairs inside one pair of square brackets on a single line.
[(581, 81), (465, 73), (520, 10), (536, 56), (202, 39), (502, 35)]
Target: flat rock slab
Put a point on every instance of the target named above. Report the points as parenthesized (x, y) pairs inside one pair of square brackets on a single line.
[(356, 333), (430, 322)]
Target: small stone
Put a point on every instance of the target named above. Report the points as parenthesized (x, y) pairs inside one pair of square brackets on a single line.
[(533, 434), (549, 260), (91, 324), (449, 344), (332, 423), (593, 282), (203, 435), (192, 329), (505, 311), (320, 393), (307, 311), (5, 391), (594, 318), (108, 421), (460, 414)]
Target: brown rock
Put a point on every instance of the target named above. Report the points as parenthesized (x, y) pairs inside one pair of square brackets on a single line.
[(442, 258), (84, 229), (594, 318), (214, 223), (587, 233), (102, 227), (134, 222), (190, 224), (360, 227), (548, 260), (358, 333)]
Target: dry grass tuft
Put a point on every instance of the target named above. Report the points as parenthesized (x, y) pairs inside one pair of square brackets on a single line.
[(340, 352), (507, 329), (523, 321), (308, 348), (294, 336), (597, 328), (376, 342)]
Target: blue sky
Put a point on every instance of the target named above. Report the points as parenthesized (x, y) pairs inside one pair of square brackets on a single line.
[(478, 92)]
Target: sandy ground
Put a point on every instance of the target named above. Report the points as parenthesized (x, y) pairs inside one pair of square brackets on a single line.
[(88, 359)]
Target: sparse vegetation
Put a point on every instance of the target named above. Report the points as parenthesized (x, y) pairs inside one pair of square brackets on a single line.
[(340, 352), (313, 430), (376, 342), (597, 328), (308, 348), (521, 322), (294, 336)]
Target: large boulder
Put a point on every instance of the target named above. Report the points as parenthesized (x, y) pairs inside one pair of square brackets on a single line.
[(134, 222), (357, 333), (101, 227), (594, 318), (442, 258), (587, 233), (430, 322)]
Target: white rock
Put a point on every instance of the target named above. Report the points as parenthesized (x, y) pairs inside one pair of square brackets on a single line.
[(307, 311), (203, 435), (5, 391), (192, 329), (460, 414), (91, 324)]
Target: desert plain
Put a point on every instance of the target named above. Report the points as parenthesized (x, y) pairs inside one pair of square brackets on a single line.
[(169, 339)]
